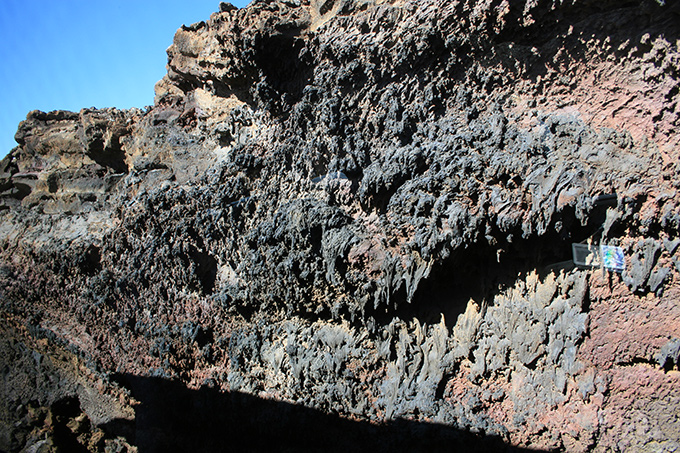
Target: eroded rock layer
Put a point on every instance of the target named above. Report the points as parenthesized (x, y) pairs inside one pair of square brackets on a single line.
[(357, 216)]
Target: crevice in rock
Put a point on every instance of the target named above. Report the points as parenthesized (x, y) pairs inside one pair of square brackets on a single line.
[(90, 262), (480, 271), (206, 270), (642, 361), (63, 417), (278, 58)]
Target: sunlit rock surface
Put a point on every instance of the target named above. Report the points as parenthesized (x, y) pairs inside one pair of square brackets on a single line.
[(348, 225)]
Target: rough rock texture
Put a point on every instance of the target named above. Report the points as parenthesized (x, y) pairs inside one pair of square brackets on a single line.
[(354, 216)]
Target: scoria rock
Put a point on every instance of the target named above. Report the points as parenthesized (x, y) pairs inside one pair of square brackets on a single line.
[(348, 224)]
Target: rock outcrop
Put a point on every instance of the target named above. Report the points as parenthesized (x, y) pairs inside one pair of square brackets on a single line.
[(349, 224)]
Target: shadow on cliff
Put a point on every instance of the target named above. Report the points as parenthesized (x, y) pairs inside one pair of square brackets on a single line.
[(171, 417), (480, 272)]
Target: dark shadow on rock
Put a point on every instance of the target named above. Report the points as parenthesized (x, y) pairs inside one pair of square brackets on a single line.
[(481, 271), (171, 417)]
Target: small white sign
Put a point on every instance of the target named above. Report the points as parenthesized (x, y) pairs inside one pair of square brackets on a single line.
[(606, 256)]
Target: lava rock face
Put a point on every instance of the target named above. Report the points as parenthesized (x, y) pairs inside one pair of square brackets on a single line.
[(362, 210)]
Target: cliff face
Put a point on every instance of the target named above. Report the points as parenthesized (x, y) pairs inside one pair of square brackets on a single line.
[(357, 217)]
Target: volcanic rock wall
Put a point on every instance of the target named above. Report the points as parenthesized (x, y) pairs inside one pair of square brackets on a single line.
[(361, 210)]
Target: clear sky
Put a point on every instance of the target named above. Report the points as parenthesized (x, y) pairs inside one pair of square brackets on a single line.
[(72, 54)]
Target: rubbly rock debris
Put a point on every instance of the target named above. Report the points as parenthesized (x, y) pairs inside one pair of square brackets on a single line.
[(349, 224)]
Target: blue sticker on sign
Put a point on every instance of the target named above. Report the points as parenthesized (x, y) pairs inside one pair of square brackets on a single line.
[(612, 258)]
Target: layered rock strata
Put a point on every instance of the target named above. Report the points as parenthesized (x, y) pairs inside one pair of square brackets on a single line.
[(366, 210)]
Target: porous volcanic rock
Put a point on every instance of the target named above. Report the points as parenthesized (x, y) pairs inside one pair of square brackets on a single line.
[(348, 224)]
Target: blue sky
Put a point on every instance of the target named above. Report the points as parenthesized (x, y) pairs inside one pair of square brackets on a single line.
[(72, 54)]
